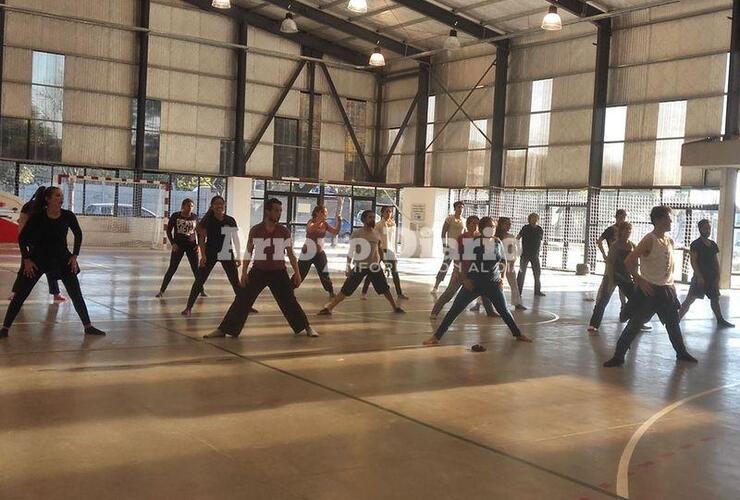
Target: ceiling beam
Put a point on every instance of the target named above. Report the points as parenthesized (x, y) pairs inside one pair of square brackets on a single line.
[(578, 8), (272, 26), (449, 18), (320, 16)]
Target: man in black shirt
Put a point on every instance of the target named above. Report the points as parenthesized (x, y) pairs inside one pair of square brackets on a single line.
[(705, 282), (181, 235), (531, 236), (610, 236)]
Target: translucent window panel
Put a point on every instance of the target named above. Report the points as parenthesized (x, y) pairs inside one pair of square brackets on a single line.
[(48, 69), (727, 89), (671, 120), (515, 167), (668, 162), (14, 137), (47, 103), (736, 253), (616, 124), (476, 168), (285, 161), (392, 134), (46, 140), (153, 114), (611, 174), (535, 173), (7, 177), (431, 103), (539, 129), (541, 95), (477, 140)]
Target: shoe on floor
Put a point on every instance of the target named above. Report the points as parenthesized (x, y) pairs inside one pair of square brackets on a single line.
[(539, 294), (613, 362), (91, 330), (311, 332), (214, 334)]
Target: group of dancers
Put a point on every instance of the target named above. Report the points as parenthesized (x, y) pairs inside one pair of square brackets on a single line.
[(481, 251)]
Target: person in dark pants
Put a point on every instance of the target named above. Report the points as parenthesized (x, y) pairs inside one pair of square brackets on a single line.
[(43, 245), (609, 236), (705, 282), (364, 254), (531, 236), (181, 234), (26, 212), (212, 231), (481, 277), (616, 274), (453, 227), (267, 246), (313, 253), (387, 232), (655, 292)]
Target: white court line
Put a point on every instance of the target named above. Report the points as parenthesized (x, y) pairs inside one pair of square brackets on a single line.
[(624, 461)]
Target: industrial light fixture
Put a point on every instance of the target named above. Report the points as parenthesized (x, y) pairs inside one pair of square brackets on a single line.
[(452, 42), (552, 21), (359, 6), (288, 25), (377, 59), (221, 4)]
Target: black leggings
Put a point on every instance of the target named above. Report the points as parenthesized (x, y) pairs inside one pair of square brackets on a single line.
[(390, 262), (203, 272), (53, 283), (175, 258), (524, 260), (26, 284), (322, 267), (282, 289)]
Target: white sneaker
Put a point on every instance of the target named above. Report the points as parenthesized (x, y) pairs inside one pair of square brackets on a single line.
[(214, 334), (311, 332)]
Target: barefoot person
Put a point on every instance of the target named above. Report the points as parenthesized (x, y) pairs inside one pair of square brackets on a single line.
[(512, 251), (616, 274), (531, 237), (43, 245), (363, 260), (483, 276), (705, 282), (387, 231), (609, 236), (181, 235), (655, 292), (452, 228), (268, 244), (313, 253), (26, 212)]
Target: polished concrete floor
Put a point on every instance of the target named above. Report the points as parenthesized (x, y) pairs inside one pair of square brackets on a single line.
[(363, 412)]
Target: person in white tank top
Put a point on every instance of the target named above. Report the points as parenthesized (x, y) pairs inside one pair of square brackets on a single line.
[(655, 293)]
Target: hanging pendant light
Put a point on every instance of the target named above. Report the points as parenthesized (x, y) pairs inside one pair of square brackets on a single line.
[(288, 25), (359, 6), (377, 59), (452, 42), (221, 4), (552, 21)]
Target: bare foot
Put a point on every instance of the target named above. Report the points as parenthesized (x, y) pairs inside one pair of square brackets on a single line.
[(523, 338), (431, 341)]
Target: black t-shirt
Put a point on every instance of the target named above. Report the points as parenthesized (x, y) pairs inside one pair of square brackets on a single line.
[(706, 257), (214, 233), (531, 239), (609, 235), (181, 229), (44, 240)]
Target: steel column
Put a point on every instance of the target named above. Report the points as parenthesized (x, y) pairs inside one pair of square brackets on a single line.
[(308, 152), (498, 125), (144, 6), (239, 167), (422, 108), (376, 133), (598, 120)]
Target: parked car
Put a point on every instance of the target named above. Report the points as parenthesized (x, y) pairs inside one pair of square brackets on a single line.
[(123, 210)]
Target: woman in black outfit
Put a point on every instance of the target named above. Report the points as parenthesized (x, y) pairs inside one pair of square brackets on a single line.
[(43, 244), (181, 233), (211, 239), (22, 220)]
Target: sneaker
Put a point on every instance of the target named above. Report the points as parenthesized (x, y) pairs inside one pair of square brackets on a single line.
[(431, 341), (520, 307), (646, 328), (187, 312), (311, 332), (686, 357), (159, 295), (203, 293), (723, 323), (324, 312), (398, 310), (613, 362), (215, 334), (60, 298), (91, 330)]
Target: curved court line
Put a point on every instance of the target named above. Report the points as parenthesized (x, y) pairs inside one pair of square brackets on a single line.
[(361, 315), (624, 460)]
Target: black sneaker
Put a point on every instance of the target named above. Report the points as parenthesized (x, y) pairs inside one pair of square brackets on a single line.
[(686, 357), (91, 330), (613, 362)]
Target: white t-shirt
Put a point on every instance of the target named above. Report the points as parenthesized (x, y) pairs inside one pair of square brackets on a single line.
[(512, 248), (455, 227), (363, 254)]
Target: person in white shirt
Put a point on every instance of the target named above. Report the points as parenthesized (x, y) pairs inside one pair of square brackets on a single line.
[(512, 250), (363, 260), (453, 227), (655, 292), (386, 230)]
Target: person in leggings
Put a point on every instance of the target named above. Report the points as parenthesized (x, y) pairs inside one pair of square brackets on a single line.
[(511, 251), (267, 246), (471, 225), (43, 245), (616, 274), (451, 229), (482, 276), (313, 253), (655, 292), (181, 234), (22, 219), (212, 231), (387, 232)]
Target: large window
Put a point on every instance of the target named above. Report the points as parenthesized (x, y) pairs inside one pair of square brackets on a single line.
[(353, 168), (614, 135), (736, 242), (285, 149), (152, 125), (47, 106), (539, 132), (669, 138), (477, 154), (428, 158)]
